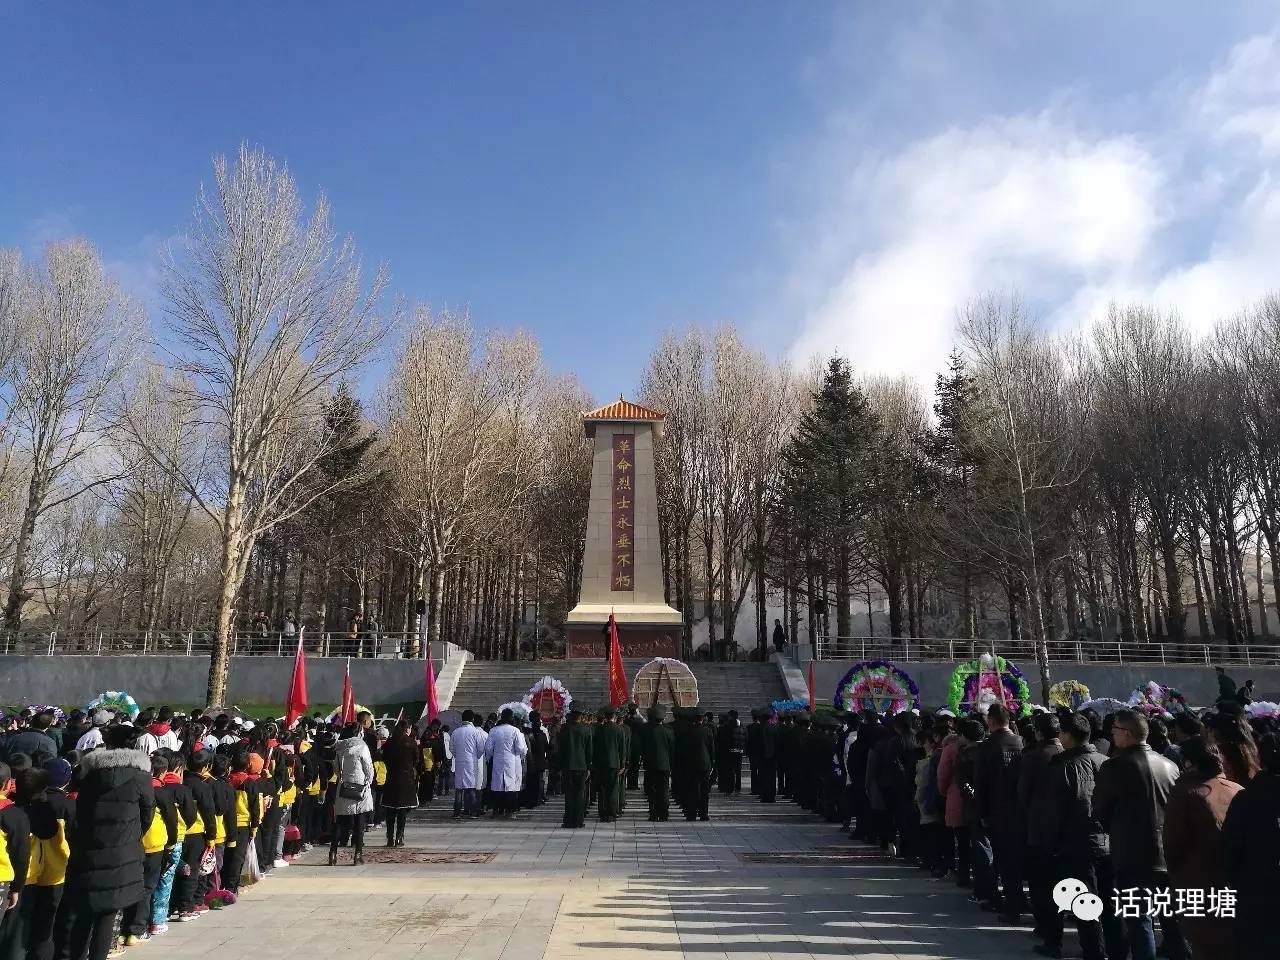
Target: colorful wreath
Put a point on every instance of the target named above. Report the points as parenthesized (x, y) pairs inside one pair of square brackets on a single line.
[(549, 698), (1155, 699), (116, 701), (877, 685), (1263, 708), (58, 714), (333, 717), (977, 684), (1071, 694)]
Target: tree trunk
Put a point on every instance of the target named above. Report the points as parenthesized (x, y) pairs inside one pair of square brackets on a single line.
[(1177, 615), (844, 610), (709, 590), (1242, 588), (229, 571), (18, 593), (1202, 617), (893, 586), (871, 613)]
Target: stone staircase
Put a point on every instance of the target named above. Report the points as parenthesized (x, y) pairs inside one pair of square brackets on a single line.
[(486, 684)]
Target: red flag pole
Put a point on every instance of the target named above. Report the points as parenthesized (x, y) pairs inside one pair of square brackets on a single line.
[(810, 684), (432, 707), (296, 702), (617, 673), (348, 697)]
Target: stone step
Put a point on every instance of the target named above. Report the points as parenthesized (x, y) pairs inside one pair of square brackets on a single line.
[(721, 686)]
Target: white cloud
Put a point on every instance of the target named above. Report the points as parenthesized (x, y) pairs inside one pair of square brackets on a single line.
[(1018, 203), (1241, 101), (1071, 220)]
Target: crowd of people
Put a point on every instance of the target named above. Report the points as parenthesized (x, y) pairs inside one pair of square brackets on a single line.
[(114, 827), (1169, 822), (1172, 821)]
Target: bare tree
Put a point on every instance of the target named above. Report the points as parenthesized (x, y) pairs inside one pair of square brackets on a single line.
[(270, 313), (1143, 416), (158, 417), (1028, 452), (444, 407), (674, 384), (74, 340)]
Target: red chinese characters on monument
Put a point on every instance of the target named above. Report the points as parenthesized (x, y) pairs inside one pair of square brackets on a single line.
[(624, 512)]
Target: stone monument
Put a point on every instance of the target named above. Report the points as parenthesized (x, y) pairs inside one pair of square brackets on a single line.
[(621, 566)]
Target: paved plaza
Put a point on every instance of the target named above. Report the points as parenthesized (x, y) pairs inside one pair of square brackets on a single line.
[(757, 883)]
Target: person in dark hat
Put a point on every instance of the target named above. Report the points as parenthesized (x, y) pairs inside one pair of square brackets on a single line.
[(763, 743), (573, 750), (636, 728), (696, 754), (786, 740), (609, 753), (659, 744)]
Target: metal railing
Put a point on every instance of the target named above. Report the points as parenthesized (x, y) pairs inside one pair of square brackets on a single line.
[(1071, 651), (192, 643)]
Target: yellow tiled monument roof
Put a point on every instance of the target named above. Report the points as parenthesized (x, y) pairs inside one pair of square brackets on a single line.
[(623, 409)]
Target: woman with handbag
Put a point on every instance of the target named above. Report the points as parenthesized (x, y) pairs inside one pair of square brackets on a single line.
[(354, 800)]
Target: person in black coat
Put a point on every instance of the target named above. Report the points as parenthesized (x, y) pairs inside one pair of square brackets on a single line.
[(1132, 792), (403, 758), (996, 770), (35, 741), (1252, 835), (535, 781), (115, 803), (200, 784), (1075, 842)]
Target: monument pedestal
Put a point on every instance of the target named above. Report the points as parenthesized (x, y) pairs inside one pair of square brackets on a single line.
[(621, 567), (647, 642)]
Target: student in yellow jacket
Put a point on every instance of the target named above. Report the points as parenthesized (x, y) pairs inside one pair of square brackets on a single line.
[(51, 813), (248, 809), (158, 839), (173, 790), (15, 855), (202, 833)]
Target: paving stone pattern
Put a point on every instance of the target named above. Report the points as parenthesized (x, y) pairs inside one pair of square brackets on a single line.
[(757, 883)]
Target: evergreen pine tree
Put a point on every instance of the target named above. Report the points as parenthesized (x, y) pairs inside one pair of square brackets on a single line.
[(828, 477)]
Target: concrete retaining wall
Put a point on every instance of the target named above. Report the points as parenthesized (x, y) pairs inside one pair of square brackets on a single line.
[(1198, 684), (149, 679)]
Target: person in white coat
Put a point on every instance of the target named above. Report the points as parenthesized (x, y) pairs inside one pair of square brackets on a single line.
[(505, 751), (468, 744), (354, 800)]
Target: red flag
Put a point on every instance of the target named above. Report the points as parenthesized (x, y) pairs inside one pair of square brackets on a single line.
[(432, 707), (618, 694), (295, 705), (347, 712), (810, 684)]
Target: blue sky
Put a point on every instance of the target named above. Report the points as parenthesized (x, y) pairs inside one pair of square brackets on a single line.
[(826, 176)]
